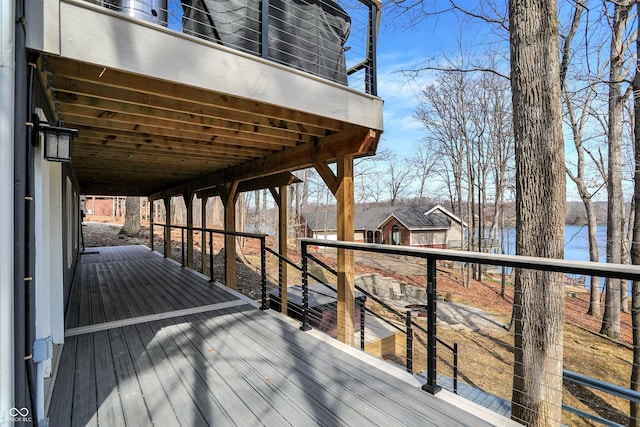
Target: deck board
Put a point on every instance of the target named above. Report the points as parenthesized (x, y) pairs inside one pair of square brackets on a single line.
[(133, 404), (110, 410), (114, 284), (171, 376), (233, 365)]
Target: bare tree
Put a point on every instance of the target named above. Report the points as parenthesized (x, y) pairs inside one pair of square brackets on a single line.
[(540, 181), (578, 108), (395, 179), (367, 185), (444, 112), (422, 165), (634, 410), (615, 218)]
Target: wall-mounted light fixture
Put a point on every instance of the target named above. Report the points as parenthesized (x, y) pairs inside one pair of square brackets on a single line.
[(58, 141)]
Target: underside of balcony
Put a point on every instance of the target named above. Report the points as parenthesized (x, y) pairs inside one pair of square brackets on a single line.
[(162, 112)]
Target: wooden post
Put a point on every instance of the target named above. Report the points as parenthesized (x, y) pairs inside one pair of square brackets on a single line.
[(229, 201), (281, 200), (151, 219), (203, 237), (282, 247), (342, 187), (346, 286), (188, 201), (167, 228)]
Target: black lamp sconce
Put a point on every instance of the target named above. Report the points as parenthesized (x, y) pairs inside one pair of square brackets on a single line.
[(58, 140)]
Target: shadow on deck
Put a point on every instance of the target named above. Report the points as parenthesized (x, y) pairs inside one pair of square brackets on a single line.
[(151, 343)]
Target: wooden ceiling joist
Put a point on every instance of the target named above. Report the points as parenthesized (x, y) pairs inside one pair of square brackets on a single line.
[(277, 180), (299, 157), (146, 136), (112, 79)]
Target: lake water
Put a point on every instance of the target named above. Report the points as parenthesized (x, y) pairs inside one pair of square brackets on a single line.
[(576, 245), (576, 242)]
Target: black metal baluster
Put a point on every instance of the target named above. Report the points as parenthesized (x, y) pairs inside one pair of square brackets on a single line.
[(409, 354), (431, 385), (263, 272), (305, 290)]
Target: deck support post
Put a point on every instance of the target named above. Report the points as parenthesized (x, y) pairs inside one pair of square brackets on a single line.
[(151, 220), (280, 198), (229, 201), (188, 201), (203, 234), (346, 285), (342, 188), (167, 227)]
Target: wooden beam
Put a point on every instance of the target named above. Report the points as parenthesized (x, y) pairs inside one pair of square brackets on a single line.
[(167, 228), (280, 198), (203, 237), (327, 149), (327, 176), (305, 155), (216, 178), (284, 178), (151, 221), (345, 259), (188, 201), (229, 201), (275, 194)]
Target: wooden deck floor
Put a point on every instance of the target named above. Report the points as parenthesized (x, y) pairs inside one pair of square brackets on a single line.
[(112, 283), (230, 365)]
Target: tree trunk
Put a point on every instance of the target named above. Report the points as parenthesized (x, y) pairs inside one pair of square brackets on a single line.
[(634, 409), (611, 319), (256, 212), (594, 292), (132, 217), (625, 285), (540, 211)]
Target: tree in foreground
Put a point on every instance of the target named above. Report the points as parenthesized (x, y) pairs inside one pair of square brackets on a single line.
[(634, 409), (540, 210), (131, 225)]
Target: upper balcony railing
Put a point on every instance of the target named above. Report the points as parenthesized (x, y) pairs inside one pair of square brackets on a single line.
[(335, 40)]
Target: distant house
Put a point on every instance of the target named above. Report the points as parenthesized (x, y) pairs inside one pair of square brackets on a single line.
[(422, 226)]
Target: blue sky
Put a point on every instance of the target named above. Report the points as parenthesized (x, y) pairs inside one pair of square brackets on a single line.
[(405, 47)]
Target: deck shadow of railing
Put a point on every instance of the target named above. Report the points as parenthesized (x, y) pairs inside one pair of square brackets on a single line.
[(490, 343), (561, 266)]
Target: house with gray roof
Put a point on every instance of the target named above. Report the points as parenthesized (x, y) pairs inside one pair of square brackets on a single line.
[(421, 226)]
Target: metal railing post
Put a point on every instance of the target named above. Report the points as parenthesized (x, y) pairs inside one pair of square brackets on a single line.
[(182, 244), (151, 215), (305, 289), (409, 332), (263, 272), (211, 256), (371, 85), (431, 386), (264, 27), (455, 367), (362, 313)]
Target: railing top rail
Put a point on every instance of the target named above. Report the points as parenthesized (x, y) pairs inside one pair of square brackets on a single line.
[(214, 230), (625, 393), (618, 271)]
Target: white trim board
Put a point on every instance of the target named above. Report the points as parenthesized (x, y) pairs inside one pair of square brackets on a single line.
[(150, 318)]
